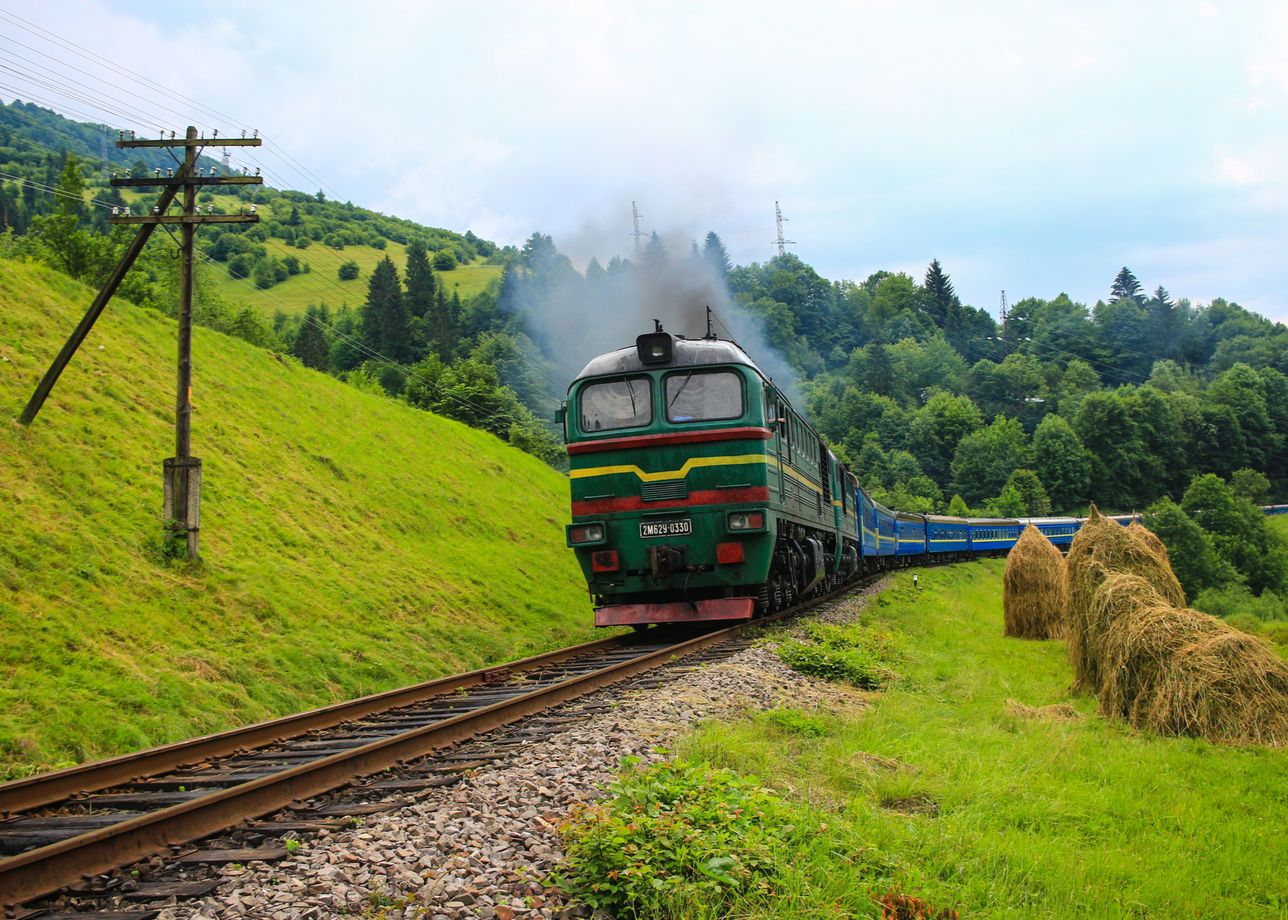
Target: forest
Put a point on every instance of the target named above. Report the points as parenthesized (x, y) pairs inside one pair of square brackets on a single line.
[(1141, 402)]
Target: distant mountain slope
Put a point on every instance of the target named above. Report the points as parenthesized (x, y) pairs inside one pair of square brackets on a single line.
[(350, 543)]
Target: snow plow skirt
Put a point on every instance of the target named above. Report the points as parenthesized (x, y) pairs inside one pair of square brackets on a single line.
[(721, 608)]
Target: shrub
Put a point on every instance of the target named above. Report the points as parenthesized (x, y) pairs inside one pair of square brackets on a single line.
[(854, 654), (681, 840), (795, 722), (348, 270), (239, 267), (1237, 600)]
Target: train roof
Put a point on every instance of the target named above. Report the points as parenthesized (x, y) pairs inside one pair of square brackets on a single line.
[(685, 353)]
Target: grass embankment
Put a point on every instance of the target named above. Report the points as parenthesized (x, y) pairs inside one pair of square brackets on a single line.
[(349, 543), (948, 789)]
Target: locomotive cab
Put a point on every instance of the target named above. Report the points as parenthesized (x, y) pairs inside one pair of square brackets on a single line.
[(669, 480)]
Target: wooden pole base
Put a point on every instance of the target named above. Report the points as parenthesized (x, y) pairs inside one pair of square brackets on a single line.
[(183, 507)]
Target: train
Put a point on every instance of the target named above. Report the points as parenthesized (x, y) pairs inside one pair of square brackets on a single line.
[(700, 494)]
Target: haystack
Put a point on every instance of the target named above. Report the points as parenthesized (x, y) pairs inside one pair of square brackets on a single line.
[(1137, 639), (1033, 588), (1177, 671), (1150, 539), (1103, 547)]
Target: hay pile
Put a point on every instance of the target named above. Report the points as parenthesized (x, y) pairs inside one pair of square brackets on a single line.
[(1156, 663), (1103, 547), (1150, 539), (1177, 671), (1033, 588)]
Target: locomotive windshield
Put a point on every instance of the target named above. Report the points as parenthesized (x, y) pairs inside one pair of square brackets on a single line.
[(613, 404), (703, 396)]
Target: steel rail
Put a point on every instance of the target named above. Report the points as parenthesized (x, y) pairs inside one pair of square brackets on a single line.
[(47, 788), (47, 869)]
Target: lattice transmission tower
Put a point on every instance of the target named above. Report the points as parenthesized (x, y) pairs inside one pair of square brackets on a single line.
[(780, 242)]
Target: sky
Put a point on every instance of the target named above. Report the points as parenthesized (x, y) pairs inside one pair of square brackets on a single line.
[(1033, 148)]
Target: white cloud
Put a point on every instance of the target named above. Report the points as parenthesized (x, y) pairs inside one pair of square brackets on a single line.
[(1031, 148)]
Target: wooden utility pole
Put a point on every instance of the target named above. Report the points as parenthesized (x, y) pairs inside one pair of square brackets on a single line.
[(182, 471)]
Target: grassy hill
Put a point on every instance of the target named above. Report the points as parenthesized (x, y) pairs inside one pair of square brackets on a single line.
[(349, 542), (321, 285)]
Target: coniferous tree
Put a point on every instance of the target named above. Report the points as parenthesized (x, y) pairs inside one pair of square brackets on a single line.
[(310, 345), (1126, 285), (1165, 326), (655, 257), (384, 316), (942, 297), (420, 281), (714, 254)]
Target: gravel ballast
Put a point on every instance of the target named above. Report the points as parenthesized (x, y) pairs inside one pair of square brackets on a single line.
[(481, 848)]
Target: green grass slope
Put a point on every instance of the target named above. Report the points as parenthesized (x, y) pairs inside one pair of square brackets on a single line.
[(349, 543), (322, 285)]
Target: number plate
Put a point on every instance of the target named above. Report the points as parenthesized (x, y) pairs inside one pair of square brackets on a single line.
[(680, 528)]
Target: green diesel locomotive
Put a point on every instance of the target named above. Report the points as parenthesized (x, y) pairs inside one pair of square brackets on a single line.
[(698, 493)]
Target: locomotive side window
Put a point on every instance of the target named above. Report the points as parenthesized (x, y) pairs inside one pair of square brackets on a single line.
[(613, 404), (703, 397)]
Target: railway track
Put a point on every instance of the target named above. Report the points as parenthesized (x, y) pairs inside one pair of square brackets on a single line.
[(61, 828)]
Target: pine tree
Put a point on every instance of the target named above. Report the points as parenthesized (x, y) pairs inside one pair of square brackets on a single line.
[(655, 258), (714, 254), (1126, 285), (310, 345), (384, 317), (420, 282), (942, 297), (1164, 324), (443, 324)]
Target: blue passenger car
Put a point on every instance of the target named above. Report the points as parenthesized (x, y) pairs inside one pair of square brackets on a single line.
[(911, 531), (947, 534), (887, 535), (992, 534), (1059, 531), (869, 539)]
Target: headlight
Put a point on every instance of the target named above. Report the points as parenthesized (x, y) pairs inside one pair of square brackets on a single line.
[(746, 520), (585, 534)]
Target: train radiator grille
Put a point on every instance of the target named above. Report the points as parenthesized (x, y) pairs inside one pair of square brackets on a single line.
[(667, 490)]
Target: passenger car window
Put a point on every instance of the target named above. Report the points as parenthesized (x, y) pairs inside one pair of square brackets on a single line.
[(613, 404), (703, 397)]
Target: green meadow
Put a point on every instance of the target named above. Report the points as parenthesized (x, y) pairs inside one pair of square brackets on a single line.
[(956, 787), (349, 542), (322, 285)]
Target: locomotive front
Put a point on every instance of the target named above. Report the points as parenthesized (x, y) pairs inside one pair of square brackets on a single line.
[(670, 482)]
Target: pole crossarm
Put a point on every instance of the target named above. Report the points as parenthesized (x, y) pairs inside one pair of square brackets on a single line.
[(180, 181), (188, 219), (196, 142)]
